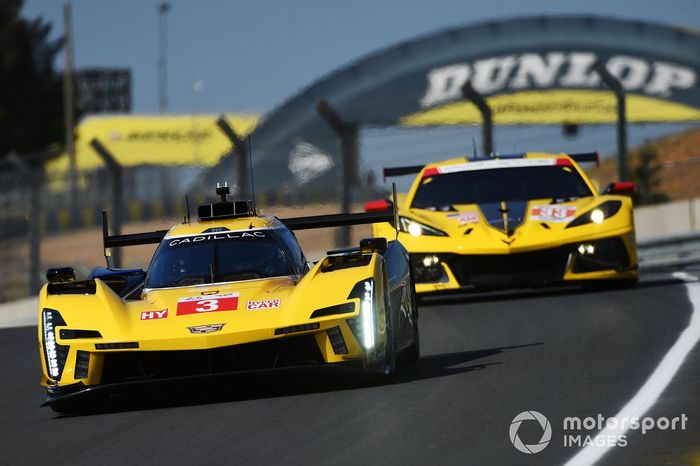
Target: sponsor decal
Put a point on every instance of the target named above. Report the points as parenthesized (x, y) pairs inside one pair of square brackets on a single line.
[(215, 236), (553, 213), (465, 218), (555, 69), (153, 315), (206, 328), (263, 304), (203, 304), (489, 165)]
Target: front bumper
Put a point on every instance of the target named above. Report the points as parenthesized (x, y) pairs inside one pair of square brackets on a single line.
[(331, 342), (203, 388), (600, 259)]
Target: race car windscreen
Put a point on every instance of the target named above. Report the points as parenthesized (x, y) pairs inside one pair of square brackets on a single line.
[(500, 184), (217, 257)]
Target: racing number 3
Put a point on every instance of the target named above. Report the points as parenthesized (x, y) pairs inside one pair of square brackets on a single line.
[(207, 305), (202, 304)]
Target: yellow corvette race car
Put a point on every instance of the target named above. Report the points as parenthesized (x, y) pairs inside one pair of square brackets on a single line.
[(230, 292), (513, 221)]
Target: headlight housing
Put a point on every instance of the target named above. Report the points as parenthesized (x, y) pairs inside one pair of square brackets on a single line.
[(55, 355), (597, 215), (414, 228), (363, 325)]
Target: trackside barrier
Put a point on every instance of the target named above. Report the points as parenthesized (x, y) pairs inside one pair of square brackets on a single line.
[(674, 251), (672, 219)]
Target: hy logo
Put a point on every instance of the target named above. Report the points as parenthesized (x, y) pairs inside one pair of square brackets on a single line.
[(546, 432)]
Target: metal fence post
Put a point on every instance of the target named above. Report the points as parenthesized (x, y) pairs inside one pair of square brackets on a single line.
[(116, 174), (348, 134), (616, 86), (241, 150), (486, 115), (33, 177)]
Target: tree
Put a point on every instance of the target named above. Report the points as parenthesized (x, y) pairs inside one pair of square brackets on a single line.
[(31, 98), (646, 176)]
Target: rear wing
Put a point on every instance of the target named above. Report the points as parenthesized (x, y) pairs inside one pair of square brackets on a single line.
[(131, 239), (337, 220), (294, 223), (401, 171), (586, 157), (413, 169)]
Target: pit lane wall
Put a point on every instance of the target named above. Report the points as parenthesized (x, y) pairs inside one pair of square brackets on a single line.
[(667, 220)]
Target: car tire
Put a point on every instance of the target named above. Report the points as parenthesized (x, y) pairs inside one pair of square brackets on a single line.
[(411, 354)]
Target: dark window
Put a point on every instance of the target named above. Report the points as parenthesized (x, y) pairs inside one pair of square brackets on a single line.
[(218, 257), (296, 256), (501, 184)]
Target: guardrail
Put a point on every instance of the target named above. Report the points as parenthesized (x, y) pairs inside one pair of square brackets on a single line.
[(673, 251)]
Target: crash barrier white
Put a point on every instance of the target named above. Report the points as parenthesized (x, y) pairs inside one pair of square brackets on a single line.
[(667, 220), (673, 251), (668, 235)]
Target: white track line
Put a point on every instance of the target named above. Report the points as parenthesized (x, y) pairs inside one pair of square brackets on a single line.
[(657, 382), (685, 276)]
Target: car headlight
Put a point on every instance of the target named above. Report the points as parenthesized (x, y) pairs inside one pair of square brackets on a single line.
[(55, 354), (415, 228), (363, 326), (597, 215)]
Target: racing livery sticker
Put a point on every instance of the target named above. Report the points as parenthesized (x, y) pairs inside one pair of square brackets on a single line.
[(465, 217), (203, 304), (152, 315), (553, 213), (490, 165), (174, 241), (264, 304)]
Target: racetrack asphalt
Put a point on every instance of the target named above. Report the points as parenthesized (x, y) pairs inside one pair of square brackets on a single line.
[(485, 359)]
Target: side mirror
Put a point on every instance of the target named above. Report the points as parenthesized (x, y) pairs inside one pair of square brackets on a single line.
[(626, 188), (380, 205), (60, 275)]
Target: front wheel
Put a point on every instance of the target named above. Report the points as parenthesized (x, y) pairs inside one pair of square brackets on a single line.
[(383, 361), (411, 355), (389, 366)]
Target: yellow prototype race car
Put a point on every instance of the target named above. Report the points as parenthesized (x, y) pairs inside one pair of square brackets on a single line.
[(513, 221), (230, 292)]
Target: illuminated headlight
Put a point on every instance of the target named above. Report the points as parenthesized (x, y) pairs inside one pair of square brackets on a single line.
[(586, 248), (429, 261), (367, 315), (363, 326), (597, 216), (414, 228), (54, 353)]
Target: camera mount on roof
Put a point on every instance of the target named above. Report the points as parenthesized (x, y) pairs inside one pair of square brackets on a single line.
[(225, 208), (223, 191)]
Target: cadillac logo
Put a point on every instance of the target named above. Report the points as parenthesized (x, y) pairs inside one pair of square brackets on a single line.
[(206, 328)]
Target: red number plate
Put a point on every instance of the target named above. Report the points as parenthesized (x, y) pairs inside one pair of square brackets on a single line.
[(204, 304)]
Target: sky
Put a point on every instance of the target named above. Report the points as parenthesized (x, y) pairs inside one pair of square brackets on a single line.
[(251, 55)]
